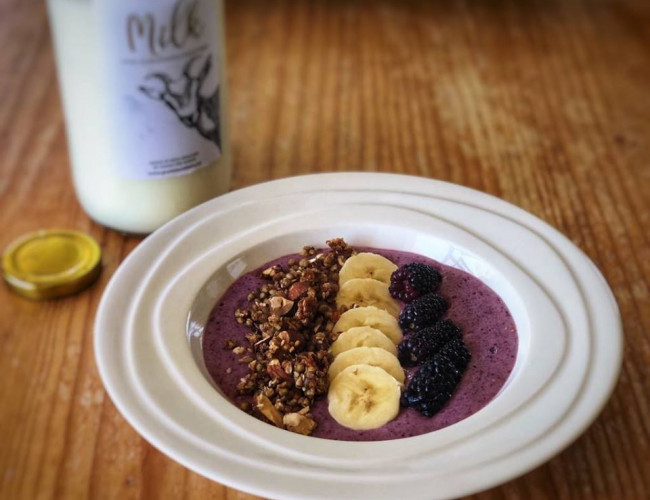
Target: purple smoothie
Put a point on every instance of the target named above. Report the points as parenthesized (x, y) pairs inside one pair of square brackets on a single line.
[(488, 331)]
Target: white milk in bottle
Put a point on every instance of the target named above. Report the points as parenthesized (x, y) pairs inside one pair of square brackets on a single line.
[(144, 94)]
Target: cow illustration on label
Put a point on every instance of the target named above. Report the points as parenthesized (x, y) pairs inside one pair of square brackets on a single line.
[(184, 96)]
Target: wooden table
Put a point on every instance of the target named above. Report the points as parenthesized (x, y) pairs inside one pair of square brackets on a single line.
[(545, 103)]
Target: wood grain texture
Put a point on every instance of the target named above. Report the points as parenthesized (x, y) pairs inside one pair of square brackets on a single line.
[(543, 103)]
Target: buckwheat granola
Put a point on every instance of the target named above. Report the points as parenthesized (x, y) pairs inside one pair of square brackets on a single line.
[(290, 321)]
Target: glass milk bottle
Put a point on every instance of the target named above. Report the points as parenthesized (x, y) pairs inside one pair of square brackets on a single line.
[(143, 86)]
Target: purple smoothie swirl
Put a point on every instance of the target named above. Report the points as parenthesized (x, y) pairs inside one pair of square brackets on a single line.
[(488, 330)]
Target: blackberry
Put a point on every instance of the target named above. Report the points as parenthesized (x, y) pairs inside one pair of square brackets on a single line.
[(431, 387), (422, 312), (456, 351), (421, 345), (413, 280), (434, 383)]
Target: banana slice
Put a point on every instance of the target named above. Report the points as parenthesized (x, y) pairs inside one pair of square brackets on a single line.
[(362, 336), (367, 265), (363, 397), (366, 292), (373, 317), (373, 356)]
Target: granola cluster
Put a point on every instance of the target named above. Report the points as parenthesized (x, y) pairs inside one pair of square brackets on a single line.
[(291, 319)]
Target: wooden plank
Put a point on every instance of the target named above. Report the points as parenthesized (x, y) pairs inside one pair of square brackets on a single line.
[(543, 103)]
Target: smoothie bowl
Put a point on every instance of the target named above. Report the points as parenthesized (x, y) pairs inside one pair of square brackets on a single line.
[(487, 297), (541, 352), (290, 343)]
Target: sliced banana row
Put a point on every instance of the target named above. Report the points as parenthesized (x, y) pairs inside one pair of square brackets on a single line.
[(365, 377)]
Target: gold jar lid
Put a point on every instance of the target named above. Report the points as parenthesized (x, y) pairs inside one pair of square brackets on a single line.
[(51, 263)]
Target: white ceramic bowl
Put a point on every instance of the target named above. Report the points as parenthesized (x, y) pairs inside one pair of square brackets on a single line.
[(150, 322)]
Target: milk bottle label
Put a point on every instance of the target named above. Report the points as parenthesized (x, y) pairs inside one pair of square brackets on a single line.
[(161, 64)]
